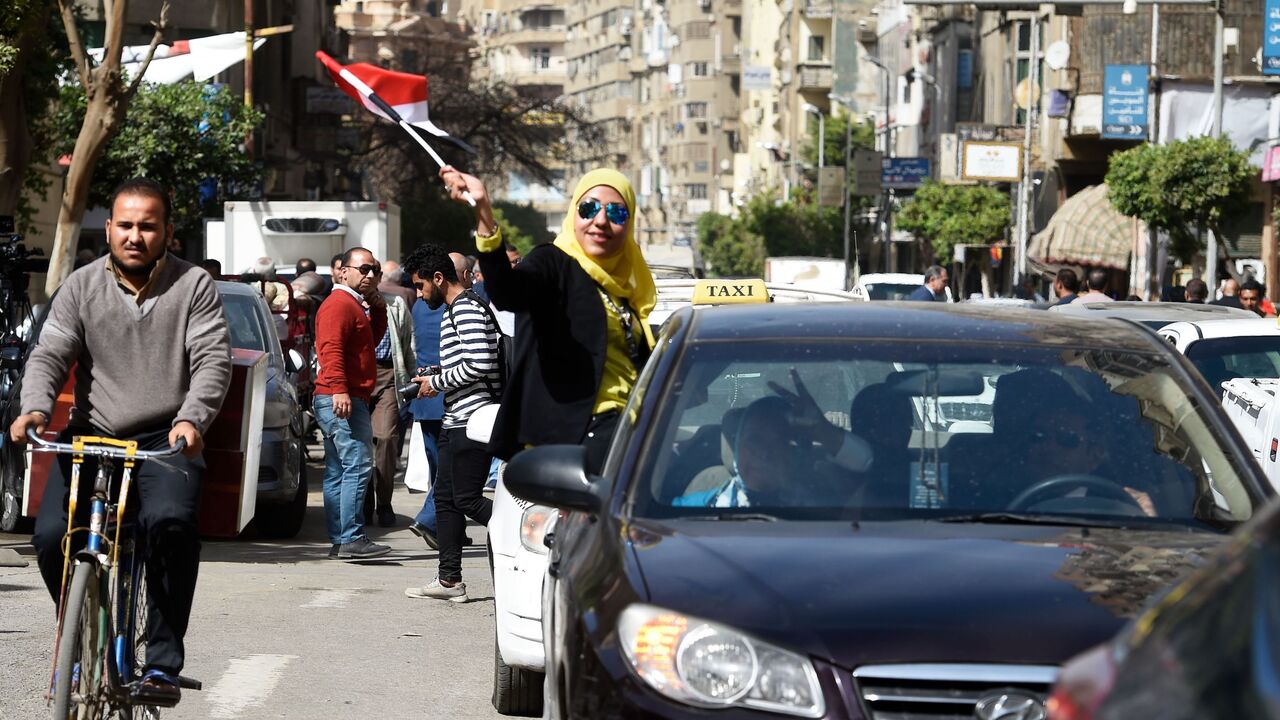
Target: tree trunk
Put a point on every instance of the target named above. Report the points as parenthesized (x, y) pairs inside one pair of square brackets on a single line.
[(15, 138), (106, 106)]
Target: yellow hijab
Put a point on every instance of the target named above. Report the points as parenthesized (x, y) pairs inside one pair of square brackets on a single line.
[(625, 275)]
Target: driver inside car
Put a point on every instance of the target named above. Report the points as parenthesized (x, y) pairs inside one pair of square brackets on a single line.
[(783, 453)]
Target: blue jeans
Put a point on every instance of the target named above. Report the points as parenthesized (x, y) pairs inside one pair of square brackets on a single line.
[(430, 435), (348, 463)]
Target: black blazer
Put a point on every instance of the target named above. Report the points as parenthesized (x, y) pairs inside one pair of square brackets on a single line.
[(559, 348)]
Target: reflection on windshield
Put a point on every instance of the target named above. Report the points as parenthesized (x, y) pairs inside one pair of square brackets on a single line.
[(902, 430), (1222, 359), (890, 291), (242, 322)]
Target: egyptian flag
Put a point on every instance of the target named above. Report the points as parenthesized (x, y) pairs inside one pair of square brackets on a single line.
[(403, 94)]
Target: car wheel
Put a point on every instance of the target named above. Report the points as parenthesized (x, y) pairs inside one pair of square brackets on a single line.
[(516, 691), (11, 519), (285, 521)]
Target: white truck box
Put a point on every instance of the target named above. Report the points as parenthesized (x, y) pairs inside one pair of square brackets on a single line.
[(807, 272), (1251, 404), (288, 231)]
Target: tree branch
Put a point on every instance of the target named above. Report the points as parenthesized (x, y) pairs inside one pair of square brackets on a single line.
[(156, 37), (112, 47), (78, 55)]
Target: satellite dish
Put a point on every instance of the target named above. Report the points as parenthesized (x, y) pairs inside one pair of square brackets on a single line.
[(1024, 93), (1057, 55)]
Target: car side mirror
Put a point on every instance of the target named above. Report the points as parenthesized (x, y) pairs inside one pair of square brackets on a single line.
[(11, 358), (554, 475), (293, 361)]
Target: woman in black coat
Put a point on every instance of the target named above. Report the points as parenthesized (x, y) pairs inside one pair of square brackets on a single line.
[(582, 305)]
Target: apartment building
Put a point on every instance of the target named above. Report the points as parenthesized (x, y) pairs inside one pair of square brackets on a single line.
[(598, 53), (405, 35), (522, 45)]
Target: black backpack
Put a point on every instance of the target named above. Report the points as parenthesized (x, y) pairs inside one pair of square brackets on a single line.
[(506, 346)]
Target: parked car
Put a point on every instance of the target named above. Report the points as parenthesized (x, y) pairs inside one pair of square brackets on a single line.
[(281, 499), (1247, 347), (889, 286), (282, 471), (1154, 315), (746, 553), (1205, 651)]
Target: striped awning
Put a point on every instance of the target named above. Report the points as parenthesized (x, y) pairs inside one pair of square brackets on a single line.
[(1087, 231)]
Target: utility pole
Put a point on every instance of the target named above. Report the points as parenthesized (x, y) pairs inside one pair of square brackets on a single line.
[(1211, 257), (248, 70), (1024, 186)]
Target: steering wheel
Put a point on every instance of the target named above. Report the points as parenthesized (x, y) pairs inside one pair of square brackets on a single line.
[(1060, 485)]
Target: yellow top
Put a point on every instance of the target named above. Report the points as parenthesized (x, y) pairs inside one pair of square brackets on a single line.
[(619, 376)]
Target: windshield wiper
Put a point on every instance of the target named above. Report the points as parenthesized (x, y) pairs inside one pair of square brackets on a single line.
[(1011, 518), (735, 516)]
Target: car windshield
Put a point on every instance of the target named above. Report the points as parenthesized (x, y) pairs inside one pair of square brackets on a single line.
[(1221, 359), (935, 430), (247, 332), (891, 291)]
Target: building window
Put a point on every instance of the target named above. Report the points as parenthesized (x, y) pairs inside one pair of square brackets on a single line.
[(695, 110), (541, 58), (699, 69), (697, 30), (1022, 61), (696, 191), (817, 48)]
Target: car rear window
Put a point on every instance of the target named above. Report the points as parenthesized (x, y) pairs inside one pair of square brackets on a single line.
[(1222, 359), (928, 429), (247, 332)]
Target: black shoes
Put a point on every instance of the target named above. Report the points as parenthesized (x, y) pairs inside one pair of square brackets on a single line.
[(427, 536), (333, 551), (386, 517), (362, 549)]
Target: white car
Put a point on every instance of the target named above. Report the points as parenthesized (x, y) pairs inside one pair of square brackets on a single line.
[(888, 286), (517, 528), (1227, 349)]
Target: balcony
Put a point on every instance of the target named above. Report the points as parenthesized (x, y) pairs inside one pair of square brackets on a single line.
[(816, 9), (549, 35), (814, 76)]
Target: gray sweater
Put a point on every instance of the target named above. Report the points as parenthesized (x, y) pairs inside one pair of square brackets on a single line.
[(137, 367)]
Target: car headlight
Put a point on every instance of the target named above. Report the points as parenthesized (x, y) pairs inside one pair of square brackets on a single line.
[(533, 527), (706, 664)]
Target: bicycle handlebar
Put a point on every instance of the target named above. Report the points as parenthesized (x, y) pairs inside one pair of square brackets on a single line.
[(41, 445)]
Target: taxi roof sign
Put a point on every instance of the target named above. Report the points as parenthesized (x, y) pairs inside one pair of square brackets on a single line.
[(730, 292)]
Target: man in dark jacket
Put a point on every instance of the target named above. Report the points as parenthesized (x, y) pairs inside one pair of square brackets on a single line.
[(934, 288)]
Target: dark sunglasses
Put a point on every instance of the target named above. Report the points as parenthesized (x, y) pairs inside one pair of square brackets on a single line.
[(616, 212), (364, 269)]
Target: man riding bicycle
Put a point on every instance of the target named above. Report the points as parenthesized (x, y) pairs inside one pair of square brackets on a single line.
[(148, 338)]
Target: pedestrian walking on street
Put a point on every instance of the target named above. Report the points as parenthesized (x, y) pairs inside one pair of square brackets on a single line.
[(470, 377), (348, 325), (1197, 291), (1098, 280), (148, 340), (1253, 298), (1230, 294), (428, 411), (582, 305), (934, 288), (396, 358)]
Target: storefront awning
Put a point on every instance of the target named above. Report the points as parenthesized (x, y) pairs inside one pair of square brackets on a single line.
[(1087, 231)]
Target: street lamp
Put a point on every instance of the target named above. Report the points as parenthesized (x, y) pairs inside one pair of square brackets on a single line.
[(848, 201), (822, 131)]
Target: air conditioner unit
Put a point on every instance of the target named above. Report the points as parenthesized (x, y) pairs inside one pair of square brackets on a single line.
[(704, 4)]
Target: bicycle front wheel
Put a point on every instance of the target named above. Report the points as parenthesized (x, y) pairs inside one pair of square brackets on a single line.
[(78, 684)]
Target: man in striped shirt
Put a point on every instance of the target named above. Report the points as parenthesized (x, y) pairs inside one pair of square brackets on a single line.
[(470, 378)]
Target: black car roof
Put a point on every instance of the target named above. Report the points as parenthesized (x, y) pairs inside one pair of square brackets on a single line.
[(889, 320)]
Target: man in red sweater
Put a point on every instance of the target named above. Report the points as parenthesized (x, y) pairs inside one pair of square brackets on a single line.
[(348, 326)]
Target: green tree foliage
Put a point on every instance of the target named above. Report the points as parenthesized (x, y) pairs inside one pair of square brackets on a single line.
[(862, 137), (948, 215), (1182, 187), (511, 233), (728, 249), (179, 135), (528, 226)]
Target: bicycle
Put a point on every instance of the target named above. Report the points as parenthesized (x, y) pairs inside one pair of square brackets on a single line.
[(100, 646)]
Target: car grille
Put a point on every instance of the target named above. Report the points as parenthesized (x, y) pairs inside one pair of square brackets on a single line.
[(945, 691)]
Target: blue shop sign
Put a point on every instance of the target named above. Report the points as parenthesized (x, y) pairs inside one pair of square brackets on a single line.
[(1124, 102), (903, 173), (1271, 39)]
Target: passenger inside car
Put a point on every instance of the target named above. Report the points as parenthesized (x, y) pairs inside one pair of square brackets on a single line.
[(884, 418)]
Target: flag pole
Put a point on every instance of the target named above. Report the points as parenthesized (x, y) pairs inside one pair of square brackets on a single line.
[(394, 116)]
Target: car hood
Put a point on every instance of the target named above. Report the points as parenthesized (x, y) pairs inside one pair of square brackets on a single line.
[(913, 591)]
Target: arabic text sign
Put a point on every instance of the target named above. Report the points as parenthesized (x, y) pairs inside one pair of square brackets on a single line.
[(1124, 102), (994, 161), (903, 173), (757, 77), (1271, 38)]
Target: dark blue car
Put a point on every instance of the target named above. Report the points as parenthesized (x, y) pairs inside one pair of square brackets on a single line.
[(881, 511)]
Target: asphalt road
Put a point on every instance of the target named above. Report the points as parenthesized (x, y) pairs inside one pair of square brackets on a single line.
[(280, 631)]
